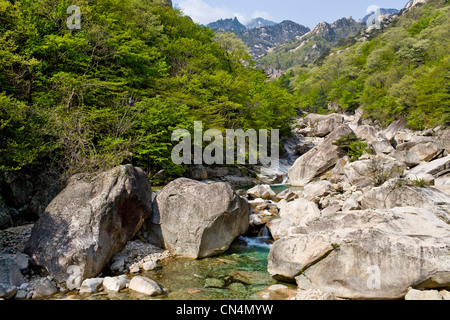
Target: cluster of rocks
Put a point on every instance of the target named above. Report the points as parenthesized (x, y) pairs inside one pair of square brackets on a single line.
[(371, 228), (111, 221), (374, 228)]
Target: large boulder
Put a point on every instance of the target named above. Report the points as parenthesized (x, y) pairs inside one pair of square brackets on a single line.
[(444, 139), (370, 254), (323, 125), (196, 220), (375, 138), (294, 214), (318, 160), (263, 191), (89, 222), (373, 170), (395, 193), (406, 157), (427, 151), (435, 167)]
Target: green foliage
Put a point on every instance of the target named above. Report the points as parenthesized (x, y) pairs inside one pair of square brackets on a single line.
[(403, 72), (420, 183), (112, 92), (352, 145)]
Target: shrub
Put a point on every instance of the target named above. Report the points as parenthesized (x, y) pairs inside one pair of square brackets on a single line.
[(353, 146)]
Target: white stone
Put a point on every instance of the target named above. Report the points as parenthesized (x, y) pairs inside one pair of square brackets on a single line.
[(91, 285), (423, 295), (150, 265), (145, 285), (261, 191), (115, 284)]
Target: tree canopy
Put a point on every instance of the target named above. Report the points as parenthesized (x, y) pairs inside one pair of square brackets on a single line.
[(114, 90)]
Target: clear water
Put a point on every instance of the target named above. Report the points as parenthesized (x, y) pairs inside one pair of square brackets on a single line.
[(239, 273)]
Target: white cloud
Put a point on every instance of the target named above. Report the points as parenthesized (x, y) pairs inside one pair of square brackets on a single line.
[(261, 14), (203, 13)]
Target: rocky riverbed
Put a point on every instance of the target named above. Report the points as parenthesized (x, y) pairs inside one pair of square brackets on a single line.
[(371, 227)]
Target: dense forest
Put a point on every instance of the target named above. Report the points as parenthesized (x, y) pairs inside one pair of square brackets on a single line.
[(401, 73), (113, 91)]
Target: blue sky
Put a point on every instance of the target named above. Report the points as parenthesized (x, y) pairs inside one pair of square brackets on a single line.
[(306, 12)]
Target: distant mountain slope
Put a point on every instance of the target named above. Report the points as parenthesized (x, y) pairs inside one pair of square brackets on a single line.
[(227, 25), (265, 39), (259, 22), (311, 45), (383, 12), (400, 72)]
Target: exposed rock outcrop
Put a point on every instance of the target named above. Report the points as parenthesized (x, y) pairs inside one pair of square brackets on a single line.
[(370, 254), (196, 220), (89, 222), (318, 160)]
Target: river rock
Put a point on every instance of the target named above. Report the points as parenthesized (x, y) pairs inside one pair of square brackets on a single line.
[(91, 285), (423, 295), (261, 191), (196, 220), (89, 222), (435, 167), (322, 125), (7, 291), (313, 191), (10, 274), (293, 214), (406, 157), (380, 167), (391, 131), (44, 288), (443, 184), (115, 284), (394, 193), (269, 175), (375, 138), (444, 139), (427, 151), (370, 254), (318, 160), (278, 292), (145, 285)]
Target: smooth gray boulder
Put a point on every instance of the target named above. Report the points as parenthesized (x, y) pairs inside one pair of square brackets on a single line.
[(10, 274), (435, 167), (318, 160), (89, 222), (323, 125), (427, 151), (263, 191), (145, 286), (293, 215), (396, 193), (375, 138), (368, 254), (197, 220)]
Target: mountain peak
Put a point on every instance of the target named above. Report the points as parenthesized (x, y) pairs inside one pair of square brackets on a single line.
[(414, 3), (228, 25), (260, 22)]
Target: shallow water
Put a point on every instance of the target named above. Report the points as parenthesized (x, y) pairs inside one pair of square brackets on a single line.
[(239, 273)]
